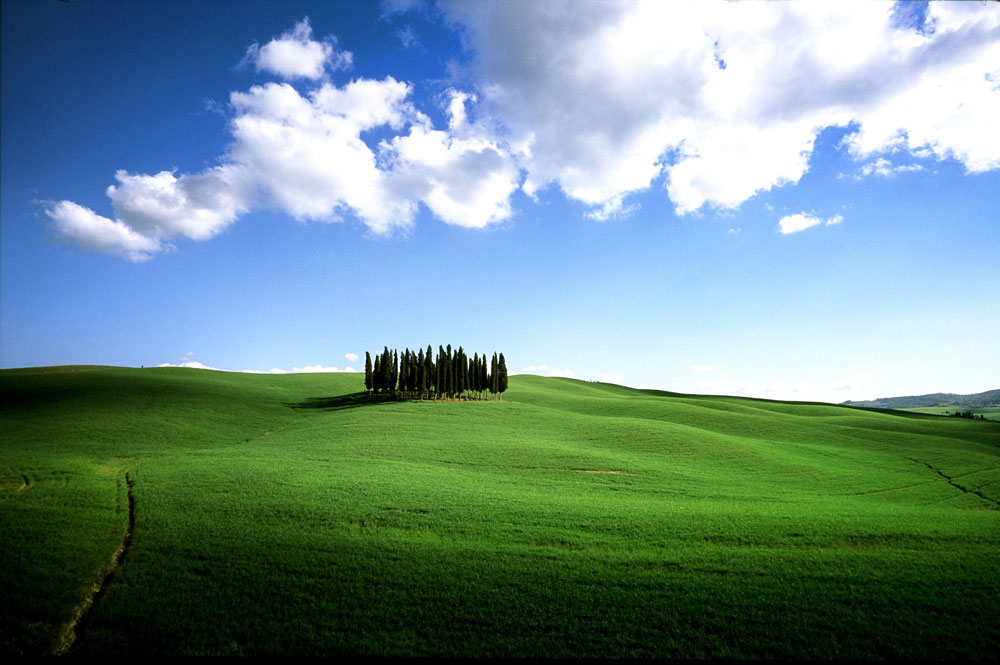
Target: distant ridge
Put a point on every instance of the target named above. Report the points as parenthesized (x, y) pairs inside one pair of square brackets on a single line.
[(978, 400)]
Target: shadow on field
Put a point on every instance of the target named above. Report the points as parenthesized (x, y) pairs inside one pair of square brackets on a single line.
[(338, 403)]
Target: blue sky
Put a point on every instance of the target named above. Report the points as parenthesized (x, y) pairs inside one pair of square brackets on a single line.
[(782, 200)]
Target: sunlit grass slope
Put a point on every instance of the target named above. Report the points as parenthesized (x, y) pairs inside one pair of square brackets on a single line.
[(287, 514), (987, 412)]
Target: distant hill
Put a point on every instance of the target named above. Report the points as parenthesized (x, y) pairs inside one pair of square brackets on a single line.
[(979, 400)]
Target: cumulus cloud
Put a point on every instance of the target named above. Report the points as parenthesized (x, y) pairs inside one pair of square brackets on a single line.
[(720, 101), (802, 221), (351, 357), (304, 154), (463, 177), (82, 226), (296, 55), (545, 370), (712, 101)]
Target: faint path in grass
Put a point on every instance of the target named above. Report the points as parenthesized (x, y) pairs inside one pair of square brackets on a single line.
[(951, 481), (68, 633)]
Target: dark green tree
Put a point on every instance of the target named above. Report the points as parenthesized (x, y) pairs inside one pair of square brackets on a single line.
[(387, 384), (429, 366), (474, 373), (421, 373), (494, 375), (441, 363), (368, 372), (377, 375), (484, 377), (395, 371), (502, 379), (460, 371)]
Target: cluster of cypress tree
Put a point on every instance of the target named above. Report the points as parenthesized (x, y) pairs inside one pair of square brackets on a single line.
[(422, 375)]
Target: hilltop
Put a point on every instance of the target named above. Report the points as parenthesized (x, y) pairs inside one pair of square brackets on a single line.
[(978, 400), (289, 514)]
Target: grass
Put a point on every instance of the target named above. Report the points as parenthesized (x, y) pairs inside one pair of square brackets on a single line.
[(284, 515), (988, 412)]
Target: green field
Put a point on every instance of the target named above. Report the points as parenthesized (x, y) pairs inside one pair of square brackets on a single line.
[(289, 515), (987, 412)]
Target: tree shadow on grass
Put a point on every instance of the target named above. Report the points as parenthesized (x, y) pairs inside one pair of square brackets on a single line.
[(338, 403)]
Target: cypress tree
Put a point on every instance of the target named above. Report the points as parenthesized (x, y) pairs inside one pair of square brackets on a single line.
[(404, 370), (474, 372), (484, 381), (421, 373), (502, 381), (429, 366), (494, 374), (387, 384), (368, 372), (452, 371), (414, 371), (395, 370), (411, 376), (449, 374), (377, 375)]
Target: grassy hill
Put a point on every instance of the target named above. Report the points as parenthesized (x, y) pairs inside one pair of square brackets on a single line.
[(287, 514), (990, 398), (988, 412)]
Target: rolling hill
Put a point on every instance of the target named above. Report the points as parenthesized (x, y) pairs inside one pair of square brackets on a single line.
[(977, 400), (181, 511)]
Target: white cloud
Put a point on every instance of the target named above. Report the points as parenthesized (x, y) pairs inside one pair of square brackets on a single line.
[(197, 206), (192, 364), (304, 154), (315, 369), (724, 100), (309, 369), (463, 177), (797, 222), (82, 226), (545, 370), (802, 221), (288, 142), (713, 101), (883, 167), (296, 55), (351, 357)]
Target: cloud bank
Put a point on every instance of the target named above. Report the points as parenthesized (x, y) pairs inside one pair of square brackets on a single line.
[(719, 101), (711, 102)]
